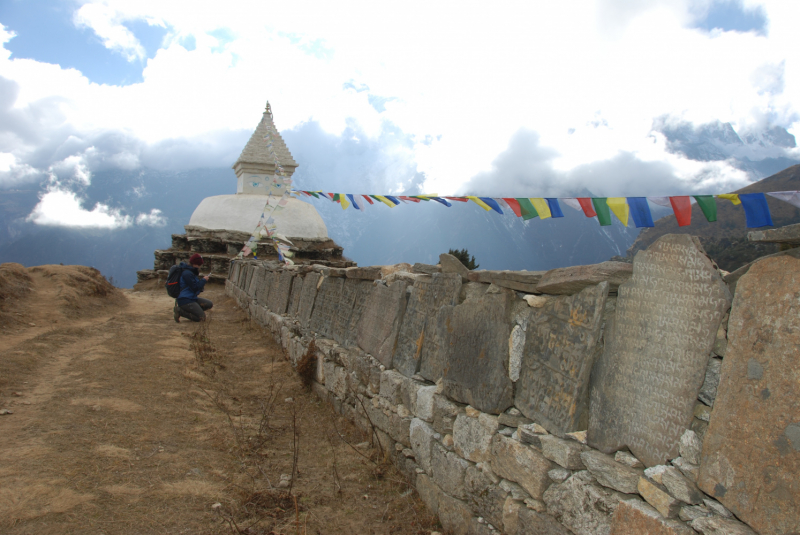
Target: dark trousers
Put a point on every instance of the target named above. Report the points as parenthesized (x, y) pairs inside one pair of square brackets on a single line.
[(196, 310)]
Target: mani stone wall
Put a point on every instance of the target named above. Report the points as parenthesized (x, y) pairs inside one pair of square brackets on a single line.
[(605, 399)]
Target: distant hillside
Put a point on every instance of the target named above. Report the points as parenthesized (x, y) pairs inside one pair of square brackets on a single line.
[(726, 239)]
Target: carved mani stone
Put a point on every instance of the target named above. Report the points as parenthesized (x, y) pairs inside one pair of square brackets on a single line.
[(279, 296), (751, 451), (380, 322), (561, 344), (348, 310), (427, 296), (325, 306), (294, 298), (645, 384), (307, 298), (476, 348)]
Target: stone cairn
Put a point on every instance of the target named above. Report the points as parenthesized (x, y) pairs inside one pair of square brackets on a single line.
[(219, 247), (658, 397)]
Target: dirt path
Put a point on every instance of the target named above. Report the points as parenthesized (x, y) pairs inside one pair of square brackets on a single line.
[(120, 426)]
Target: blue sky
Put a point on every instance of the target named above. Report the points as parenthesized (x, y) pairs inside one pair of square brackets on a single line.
[(508, 98)]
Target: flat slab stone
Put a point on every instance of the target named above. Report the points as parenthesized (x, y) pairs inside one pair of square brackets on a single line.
[(349, 309), (790, 234), (571, 280), (562, 340), (326, 306), (367, 273), (279, 296), (751, 451), (634, 517), (380, 322), (657, 344), (426, 269), (476, 348), (451, 264), (426, 297), (258, 284), (523, 281), (294, 297), (307, 298)]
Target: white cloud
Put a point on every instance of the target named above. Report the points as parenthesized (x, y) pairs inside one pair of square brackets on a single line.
[(153, 219), (60, 207), (104, 20)]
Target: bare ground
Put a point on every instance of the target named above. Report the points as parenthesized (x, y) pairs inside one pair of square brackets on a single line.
[(123, 421)]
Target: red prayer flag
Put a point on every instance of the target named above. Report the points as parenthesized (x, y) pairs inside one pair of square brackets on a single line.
[(588, 208), (682, 206), (405, 198), (461, 199), (514, 205), (367, 198)]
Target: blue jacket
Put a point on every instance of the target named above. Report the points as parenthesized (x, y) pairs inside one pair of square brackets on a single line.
[(191, 284)]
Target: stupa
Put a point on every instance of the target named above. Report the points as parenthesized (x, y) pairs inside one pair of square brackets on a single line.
[(221, 224)]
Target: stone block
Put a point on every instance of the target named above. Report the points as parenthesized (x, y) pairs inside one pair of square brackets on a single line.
[(559, 475), (423, 409), (279, 297), (326, 305), (476, 346), (690, 447), (380, 322), (610, 473), (692, 512), (634, 517), (714, 525), (348, 310), (680, 487), (512, 420), (426, 269), (484, 496), (532, 434), (294, 297), (658, 497), (520, 463), (532, 522), (428, 492), (448, 470), (523, 281), (561, 342), (451, 264), (657, 344), (392, 384), (422, 438), (472, 437), (571, 280), (628, 459), (565, 453), (454, 515), (582, 506), (759, 396), (708, 392), (688, 469), (418, 328), (370, 273), (444, 414), (307, 298)]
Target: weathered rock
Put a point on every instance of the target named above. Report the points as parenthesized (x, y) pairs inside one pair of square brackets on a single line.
[(790, 235), (680, 487), (517, 462), (690, 447), (448, 470), (426, 269), (472, 437), (688, 469), (634, 517), (628, 459), (418, 327), (531, 434), (654, 473), (659, 498), (477, 354), (279, 298), (582, 506), (294, 297), (484, 496), (370, 273), (702, 412), (751, 451), (455, 515), (536, 523), (423, 409), (656, 350), (565, 453), (380, 322), (349, 309), (562, 340), (692, 512), (422, 438), (536, 301), (571, 280), (510, 420), (451, 264), (523, 281), (428, 492), (717, 508), (444, 414), (708, 392), (714, 525), (326, 306), (610, 473), (559, 475), (392, 384), (307, 298)]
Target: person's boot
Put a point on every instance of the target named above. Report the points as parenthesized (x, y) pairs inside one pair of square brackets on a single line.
[(176, 313)]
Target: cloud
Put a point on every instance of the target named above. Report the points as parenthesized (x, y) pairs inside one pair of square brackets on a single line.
[(153, 219), (60, 207), (104, 21)]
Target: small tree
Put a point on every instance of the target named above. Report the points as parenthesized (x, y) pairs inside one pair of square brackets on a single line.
[(463, 255)]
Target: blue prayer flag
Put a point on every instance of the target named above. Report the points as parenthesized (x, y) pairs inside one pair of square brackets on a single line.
[(440, 200), (756, 210), (640, 212), (491, 203), (555, 209), (395, 200)]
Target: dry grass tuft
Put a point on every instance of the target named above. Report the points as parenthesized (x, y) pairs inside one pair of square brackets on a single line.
[(307, 366)]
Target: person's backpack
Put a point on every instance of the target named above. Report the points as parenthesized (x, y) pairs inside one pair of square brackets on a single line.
[(174, 281)]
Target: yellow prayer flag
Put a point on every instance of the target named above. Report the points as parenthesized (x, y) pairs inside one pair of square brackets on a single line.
[(542, 208), (385, 201), (480, 203), (733, 197), (343, 201), (619, 205)]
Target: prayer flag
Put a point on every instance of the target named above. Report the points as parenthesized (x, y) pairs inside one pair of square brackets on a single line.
[(459, 199), (355, 202), (441, 201), (734, 198), (393, 199), (542, 208), (406, 198), (682, 206), (479, 202), (384, 200), (572, 203), (619, 205), (527, 209), (343, 201), (661, 201), (602, 211), (588, 207), (513, 205), (421, 197), (313, 194), (640, 212), (367, 199), (792, 197), (756, 210), (492, 204), (555, 209), (708, 205)]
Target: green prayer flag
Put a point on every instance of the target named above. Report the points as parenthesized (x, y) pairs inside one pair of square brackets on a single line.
[(708, 205), (527, 209), (314, 194), (336, 197), (603, 212)]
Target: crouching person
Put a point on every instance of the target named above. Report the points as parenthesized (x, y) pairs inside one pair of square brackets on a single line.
[(188, 304)]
